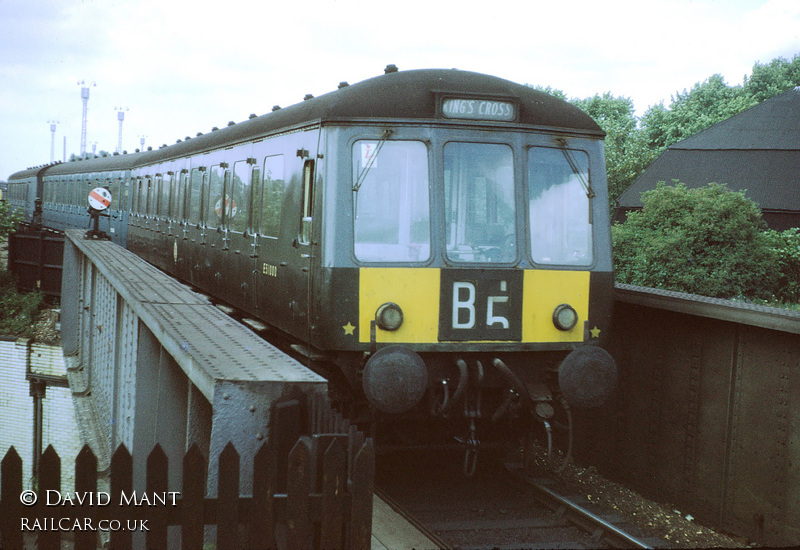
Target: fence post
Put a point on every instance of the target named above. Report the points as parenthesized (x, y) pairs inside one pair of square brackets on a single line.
[(334, 486), (361, 502), (194, 477), (86, 483), (10, 505), (298, 495), (49, 479), (228, 500), (157, 476), (121, 481), (262, 518)]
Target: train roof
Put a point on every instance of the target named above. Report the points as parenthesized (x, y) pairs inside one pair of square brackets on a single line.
[(400, 95), (28, 172), (397, 95)]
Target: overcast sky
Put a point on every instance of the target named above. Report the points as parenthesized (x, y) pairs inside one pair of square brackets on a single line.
[(182, 67)]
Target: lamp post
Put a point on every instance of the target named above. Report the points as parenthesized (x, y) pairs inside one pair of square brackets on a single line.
[(85, 99), (53, 124), (120, 118)]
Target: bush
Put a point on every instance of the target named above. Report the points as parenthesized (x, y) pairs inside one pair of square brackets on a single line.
[(708, 241), (786, 245), (17, 311)]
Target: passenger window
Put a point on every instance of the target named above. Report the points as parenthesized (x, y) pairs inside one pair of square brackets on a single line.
[(152, 197), (165, 186), (157, 202), (559, 206), (269, 200), (195, 203), (67, 191), (115, 196), (216, 189), (238, 216), (134, 201), (180, 196), (391, 208), (126, 193)]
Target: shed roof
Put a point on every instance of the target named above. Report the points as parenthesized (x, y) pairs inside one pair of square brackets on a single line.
[(757, 150)]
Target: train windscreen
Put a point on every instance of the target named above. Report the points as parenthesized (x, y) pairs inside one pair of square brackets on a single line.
[(391, 201), (479, 202)]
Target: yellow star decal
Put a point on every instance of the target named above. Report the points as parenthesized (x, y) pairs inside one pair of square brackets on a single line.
[(348, 328), (595, 332)]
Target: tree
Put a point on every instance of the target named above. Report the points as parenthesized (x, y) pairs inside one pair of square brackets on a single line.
[(708, 241), (713, 101), (692, 111), (627, 154), (773, 78)]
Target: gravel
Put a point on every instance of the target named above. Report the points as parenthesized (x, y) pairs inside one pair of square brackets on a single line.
[(677, 528)]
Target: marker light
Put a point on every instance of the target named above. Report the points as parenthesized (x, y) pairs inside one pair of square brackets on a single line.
[(389, 316), (565, 317)]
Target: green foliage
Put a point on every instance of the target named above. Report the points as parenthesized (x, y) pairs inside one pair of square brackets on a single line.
[(708, 241), (768, 80), (8, 220), (17, 311), (714, 101), (786, 245), (694, 110), (627, 155)]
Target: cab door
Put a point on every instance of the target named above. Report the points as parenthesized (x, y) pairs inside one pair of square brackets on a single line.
[(284, 219)]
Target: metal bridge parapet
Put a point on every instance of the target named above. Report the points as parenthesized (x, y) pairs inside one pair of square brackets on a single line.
[(151, 361)]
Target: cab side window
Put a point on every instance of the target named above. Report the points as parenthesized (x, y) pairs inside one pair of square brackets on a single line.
[(308, 202)]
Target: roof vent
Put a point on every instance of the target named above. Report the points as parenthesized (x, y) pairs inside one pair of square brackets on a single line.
[(390, 69), (231, 123), (308, 96), (214, 129), (253, 115), (343, 84), (199, 134), (276, 108)]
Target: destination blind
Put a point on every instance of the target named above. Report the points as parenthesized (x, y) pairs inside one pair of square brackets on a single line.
[(478, 109)]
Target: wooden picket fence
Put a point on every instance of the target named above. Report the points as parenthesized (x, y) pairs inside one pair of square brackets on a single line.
[(317, 495)]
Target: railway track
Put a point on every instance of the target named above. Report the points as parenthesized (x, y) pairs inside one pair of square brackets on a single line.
[(602, 530), (498, 508)]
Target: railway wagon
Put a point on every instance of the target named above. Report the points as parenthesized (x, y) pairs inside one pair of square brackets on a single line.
[(435, 242)]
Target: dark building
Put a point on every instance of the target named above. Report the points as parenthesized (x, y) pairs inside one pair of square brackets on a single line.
[(757, 150)]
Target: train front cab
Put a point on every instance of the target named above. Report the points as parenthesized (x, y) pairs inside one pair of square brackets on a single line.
[(469, 269)]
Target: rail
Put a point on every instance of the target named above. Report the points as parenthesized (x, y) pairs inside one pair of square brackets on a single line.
[(580, 516)]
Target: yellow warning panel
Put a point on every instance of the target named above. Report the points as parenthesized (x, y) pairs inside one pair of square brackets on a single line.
[(415, 290), (544, 290)]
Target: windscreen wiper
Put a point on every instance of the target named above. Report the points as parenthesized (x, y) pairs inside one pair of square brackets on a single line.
[(364, 171)]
